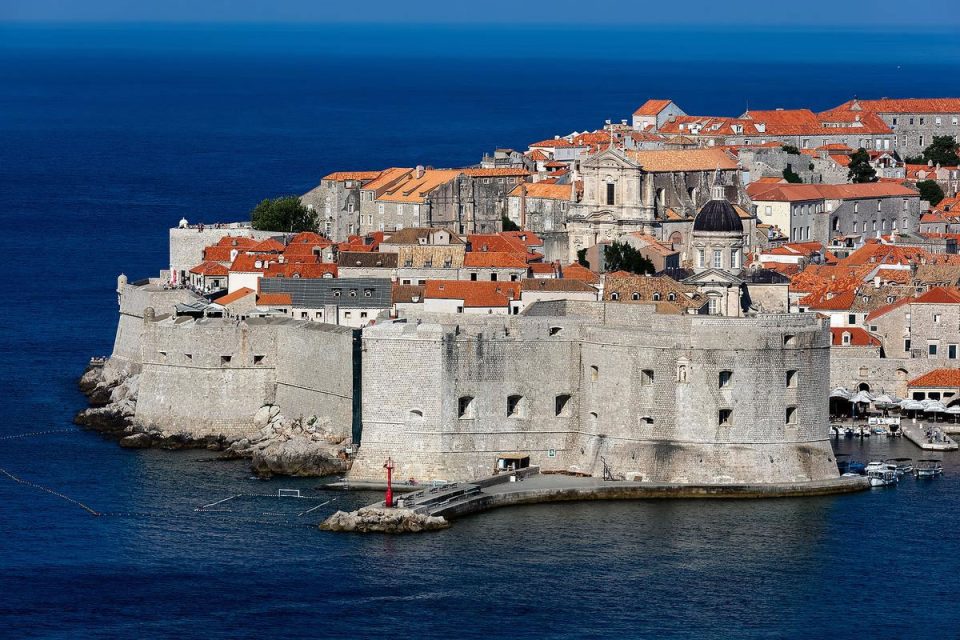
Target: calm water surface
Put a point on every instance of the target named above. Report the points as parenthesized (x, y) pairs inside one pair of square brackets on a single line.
[(102, 149)]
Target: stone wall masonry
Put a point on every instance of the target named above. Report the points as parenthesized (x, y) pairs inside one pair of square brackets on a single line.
[(188, 386), (314, 374), (643, 389), (187, 245), (134, 299)]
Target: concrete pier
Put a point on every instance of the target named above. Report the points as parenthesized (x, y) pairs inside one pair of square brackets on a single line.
[(529, 486), (917, 434)]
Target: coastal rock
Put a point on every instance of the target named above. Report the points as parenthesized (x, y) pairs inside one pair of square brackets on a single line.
[(297, 457), (383, 520), (290, 450), (136, 441)]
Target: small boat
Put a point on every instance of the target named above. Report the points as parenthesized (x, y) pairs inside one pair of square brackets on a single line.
[(928, 468), (880, 431), (882, 477), (878, 465), (848, 432), (903, 465), (857, 467), (836, 430)]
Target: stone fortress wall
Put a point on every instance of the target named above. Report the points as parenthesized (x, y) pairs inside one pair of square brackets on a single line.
[(208, 377), (573, 384)]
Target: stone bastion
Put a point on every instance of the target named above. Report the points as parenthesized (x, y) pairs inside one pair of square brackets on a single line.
[(592, 387)]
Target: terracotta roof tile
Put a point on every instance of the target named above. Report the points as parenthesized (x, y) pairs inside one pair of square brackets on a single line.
[(946, 378), (544, 190), (859, 337), (274, 299), (239, 294), (210, 269), (651, 107), (473, 293)]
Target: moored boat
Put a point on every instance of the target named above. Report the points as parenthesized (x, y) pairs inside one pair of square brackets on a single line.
[(928, 468), (882, 477)]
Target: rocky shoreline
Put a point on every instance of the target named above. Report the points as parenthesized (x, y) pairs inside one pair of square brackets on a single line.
[(383, 520), (302, 447)]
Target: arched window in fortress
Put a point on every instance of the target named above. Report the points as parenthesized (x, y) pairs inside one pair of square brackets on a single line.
[(636, 296), (594, 372), (614, 296), (789, 340), (791, 416), (656, 297), (465, 407), (416, 414)]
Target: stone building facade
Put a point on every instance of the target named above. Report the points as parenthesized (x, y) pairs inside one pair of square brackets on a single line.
[(672, 398), (636, 191), (914, 121)]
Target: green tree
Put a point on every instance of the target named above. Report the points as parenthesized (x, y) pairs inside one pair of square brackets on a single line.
[(942, 151), (285, 214), (620, 256), (792, 150), (790, 175), (930, 191), (582, 258), (509, 225), (860, 169)]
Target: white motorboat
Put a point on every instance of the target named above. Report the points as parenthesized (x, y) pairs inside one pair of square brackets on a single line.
[(882, 478)]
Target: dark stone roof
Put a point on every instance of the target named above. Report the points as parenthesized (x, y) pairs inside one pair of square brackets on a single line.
[(718, 216)]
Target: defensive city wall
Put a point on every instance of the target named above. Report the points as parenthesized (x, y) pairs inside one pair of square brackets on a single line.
[(577, 386), (209, 376)]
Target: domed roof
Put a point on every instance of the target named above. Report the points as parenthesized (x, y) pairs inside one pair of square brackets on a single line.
[(718, 216)]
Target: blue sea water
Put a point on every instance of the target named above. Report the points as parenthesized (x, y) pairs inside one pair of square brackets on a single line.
[(108, 136)]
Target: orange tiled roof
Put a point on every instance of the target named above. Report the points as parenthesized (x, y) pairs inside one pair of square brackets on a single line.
[(387, 178), (537, 155), (945, 378), (800, 192), (300, 270), (651, 107), (577, 271), (492, 173), (416, 190), (545, 190), (209, 269), (859, 337), (274, 299), (309, 237), (342, 176), (473, 293), (494, 259), (683, 160), (939, 295), (267, 246), (247, 262), (243, 292), (826, 302), (528, 238), (906, 105)]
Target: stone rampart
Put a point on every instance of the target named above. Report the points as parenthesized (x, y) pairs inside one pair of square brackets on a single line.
[(208, 377), (574, 385)]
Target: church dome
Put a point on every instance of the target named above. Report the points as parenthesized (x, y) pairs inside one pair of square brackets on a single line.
[(718, 216)]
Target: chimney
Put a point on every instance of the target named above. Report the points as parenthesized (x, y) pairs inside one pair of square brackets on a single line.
[(876, 282), (420, 171)]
